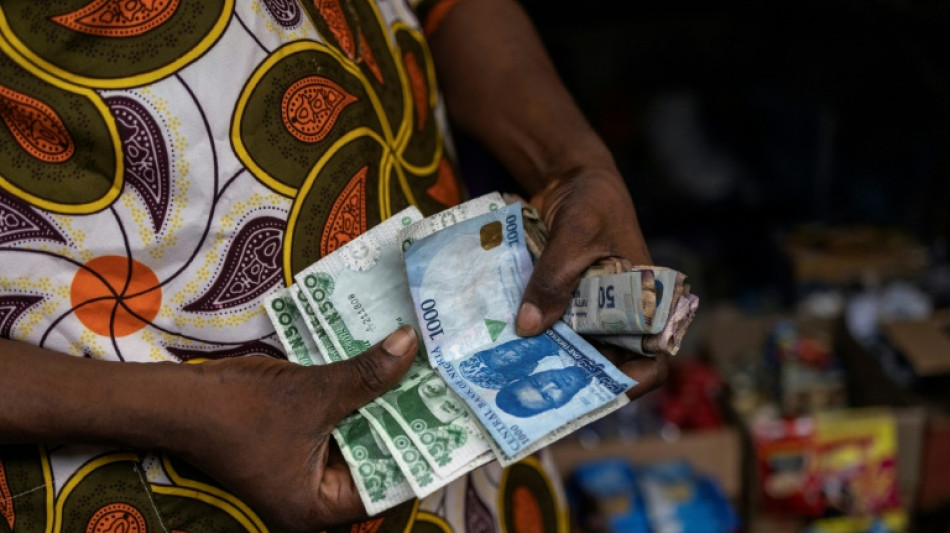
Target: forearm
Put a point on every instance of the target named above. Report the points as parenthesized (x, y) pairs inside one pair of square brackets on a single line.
[(501, 86), (50, 397)]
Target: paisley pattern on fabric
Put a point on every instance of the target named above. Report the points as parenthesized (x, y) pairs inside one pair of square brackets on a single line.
[(6, 500), (35, 126), (478, 519), (118, 18), (311, 106), (260, 135), (146, 157), (20, 222), (250, 348), (59, 148), (445, 190), (251, 267), (183, 513), (106, 495), (372, 55), (347, 218), (301, 158), (285, 12), (24, 489), (332, 12), (113, 43), (12, 307)]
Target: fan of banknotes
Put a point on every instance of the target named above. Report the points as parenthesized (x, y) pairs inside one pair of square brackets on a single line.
[(476, 391)]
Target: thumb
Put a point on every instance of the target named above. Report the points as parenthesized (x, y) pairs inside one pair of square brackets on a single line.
[(363, 378), (552, 283)]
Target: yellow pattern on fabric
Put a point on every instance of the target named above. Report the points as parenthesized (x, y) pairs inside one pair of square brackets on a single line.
[(48, 484), (88, 343), (212, 496), (77, 236), (405, 128), (154, 352), (140, 217), (122, 83), (434, 520)]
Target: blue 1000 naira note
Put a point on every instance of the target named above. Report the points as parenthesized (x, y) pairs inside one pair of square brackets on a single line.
[(466, 283)]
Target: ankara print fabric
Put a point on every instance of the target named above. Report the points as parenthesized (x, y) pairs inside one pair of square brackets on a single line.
[(164, 165)]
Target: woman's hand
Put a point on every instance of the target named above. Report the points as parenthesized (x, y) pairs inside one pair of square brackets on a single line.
[(259, 426), (590, 216), (267, 429)]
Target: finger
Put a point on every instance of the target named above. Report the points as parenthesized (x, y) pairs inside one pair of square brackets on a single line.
[(554, 279), (340, 499), (378, 369)]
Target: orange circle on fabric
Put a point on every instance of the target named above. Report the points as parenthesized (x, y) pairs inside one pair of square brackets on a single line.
[(113, 290)]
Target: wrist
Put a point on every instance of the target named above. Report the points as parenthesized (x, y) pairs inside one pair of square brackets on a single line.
[(163, 411)]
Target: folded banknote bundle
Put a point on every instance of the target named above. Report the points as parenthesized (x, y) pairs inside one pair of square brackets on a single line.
[(476, 391), (644, 309)]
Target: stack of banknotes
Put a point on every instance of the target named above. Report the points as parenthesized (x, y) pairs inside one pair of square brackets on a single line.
[(476, 391)]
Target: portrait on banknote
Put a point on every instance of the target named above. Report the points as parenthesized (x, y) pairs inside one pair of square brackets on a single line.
[(544, 391), (530, 374), (500, 365), (433, 412)]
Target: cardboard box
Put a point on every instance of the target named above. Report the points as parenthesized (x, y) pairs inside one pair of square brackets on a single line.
[(844, 255), (925, 344)]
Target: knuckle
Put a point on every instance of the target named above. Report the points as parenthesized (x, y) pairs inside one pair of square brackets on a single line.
[(582, 227)]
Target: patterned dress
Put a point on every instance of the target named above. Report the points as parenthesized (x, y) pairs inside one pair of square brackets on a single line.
[(164, 164)]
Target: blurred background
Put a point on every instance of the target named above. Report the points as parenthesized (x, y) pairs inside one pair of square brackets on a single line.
[(791, 160)]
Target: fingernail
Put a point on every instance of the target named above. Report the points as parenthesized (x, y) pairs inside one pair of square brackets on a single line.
[(400, 342), (529, 320)]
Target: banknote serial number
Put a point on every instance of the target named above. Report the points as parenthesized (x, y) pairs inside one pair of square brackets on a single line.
[(431, 317), (361, 313)]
